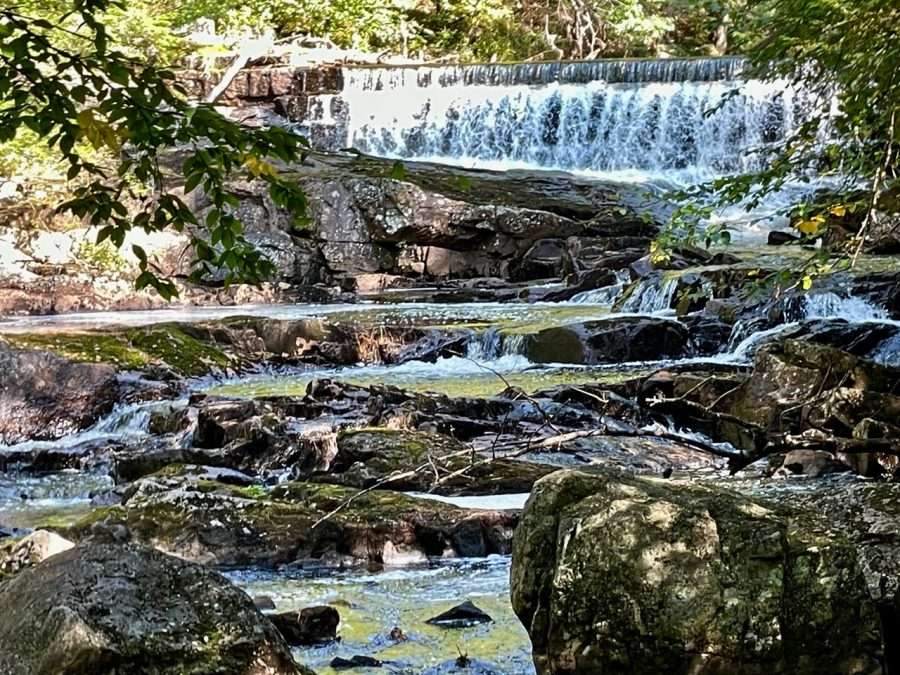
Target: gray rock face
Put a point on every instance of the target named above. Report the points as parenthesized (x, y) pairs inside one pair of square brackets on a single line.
[(108, 609), (617, 574), (44, 396)]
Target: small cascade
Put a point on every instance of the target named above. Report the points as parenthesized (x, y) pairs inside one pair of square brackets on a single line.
[(746, 335), (833, 306), (606, 295), (513, 345), (651, 296), (490, 345), (124, 423), (484, 345)]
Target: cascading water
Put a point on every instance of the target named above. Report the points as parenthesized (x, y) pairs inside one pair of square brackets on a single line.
[(651, 297), (625, 118), (745, 339)]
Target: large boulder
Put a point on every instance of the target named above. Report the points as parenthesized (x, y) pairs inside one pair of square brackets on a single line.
[(619, 574), (44, 396), (613, 340), (107, 608)]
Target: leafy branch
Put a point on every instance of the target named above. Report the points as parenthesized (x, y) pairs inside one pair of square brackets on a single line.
[(134, 114)]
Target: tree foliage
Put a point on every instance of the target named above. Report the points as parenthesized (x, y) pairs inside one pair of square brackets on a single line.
[(842, 56), (62, 82)]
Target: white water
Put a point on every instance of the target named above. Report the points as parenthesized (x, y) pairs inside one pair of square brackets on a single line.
[(833, 306), (828, 305), (636, 131), (125, 422)]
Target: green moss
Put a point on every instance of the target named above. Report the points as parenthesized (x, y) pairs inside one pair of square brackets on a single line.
[(171, 345), (132, 349), (254, 492), (84, 347)]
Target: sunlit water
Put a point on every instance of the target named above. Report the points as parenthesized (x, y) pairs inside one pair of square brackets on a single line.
[(371, 604)]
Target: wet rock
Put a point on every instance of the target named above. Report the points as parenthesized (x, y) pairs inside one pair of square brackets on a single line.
[(263, 603), (397, 634), (546, 259), (588, 281), (797, 383), (434, 345), (778, 238), (19, 554), (709, 334), (622, 574), (461, 616), (43, 459), (44, 396), (213, 523), (309, 626), (369, 456), (110, 609), (356, 661), (617, 340), (810, 464), (463, 665)]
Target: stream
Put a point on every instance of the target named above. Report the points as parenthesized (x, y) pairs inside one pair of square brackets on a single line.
[(634, 125)]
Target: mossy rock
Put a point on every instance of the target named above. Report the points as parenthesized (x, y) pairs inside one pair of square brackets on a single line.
[(614, 574), (106, 609), (171, 345), (367, 457), (84, 348), (214, 523), (132, 349)]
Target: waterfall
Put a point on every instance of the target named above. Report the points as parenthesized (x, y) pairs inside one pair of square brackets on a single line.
[(647, 118)]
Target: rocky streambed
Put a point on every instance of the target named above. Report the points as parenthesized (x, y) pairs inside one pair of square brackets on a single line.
[(711, 479), (487, 380)]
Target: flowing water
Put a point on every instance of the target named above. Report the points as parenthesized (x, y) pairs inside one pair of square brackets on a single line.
[(662, 124), (371, 604)]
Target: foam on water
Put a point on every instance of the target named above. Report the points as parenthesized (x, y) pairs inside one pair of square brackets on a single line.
[(833, 306)]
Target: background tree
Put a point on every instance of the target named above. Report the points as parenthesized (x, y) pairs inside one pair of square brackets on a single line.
[(62, 84), (842, 57)]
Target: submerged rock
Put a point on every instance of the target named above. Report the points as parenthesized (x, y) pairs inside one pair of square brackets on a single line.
[(309, 626), (108, 609), (624, 574), (356, 661), (461, 616)]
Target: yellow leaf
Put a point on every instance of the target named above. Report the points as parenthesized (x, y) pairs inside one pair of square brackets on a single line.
[(258, 167), (838, 211), (807, 282), (810, 226)]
